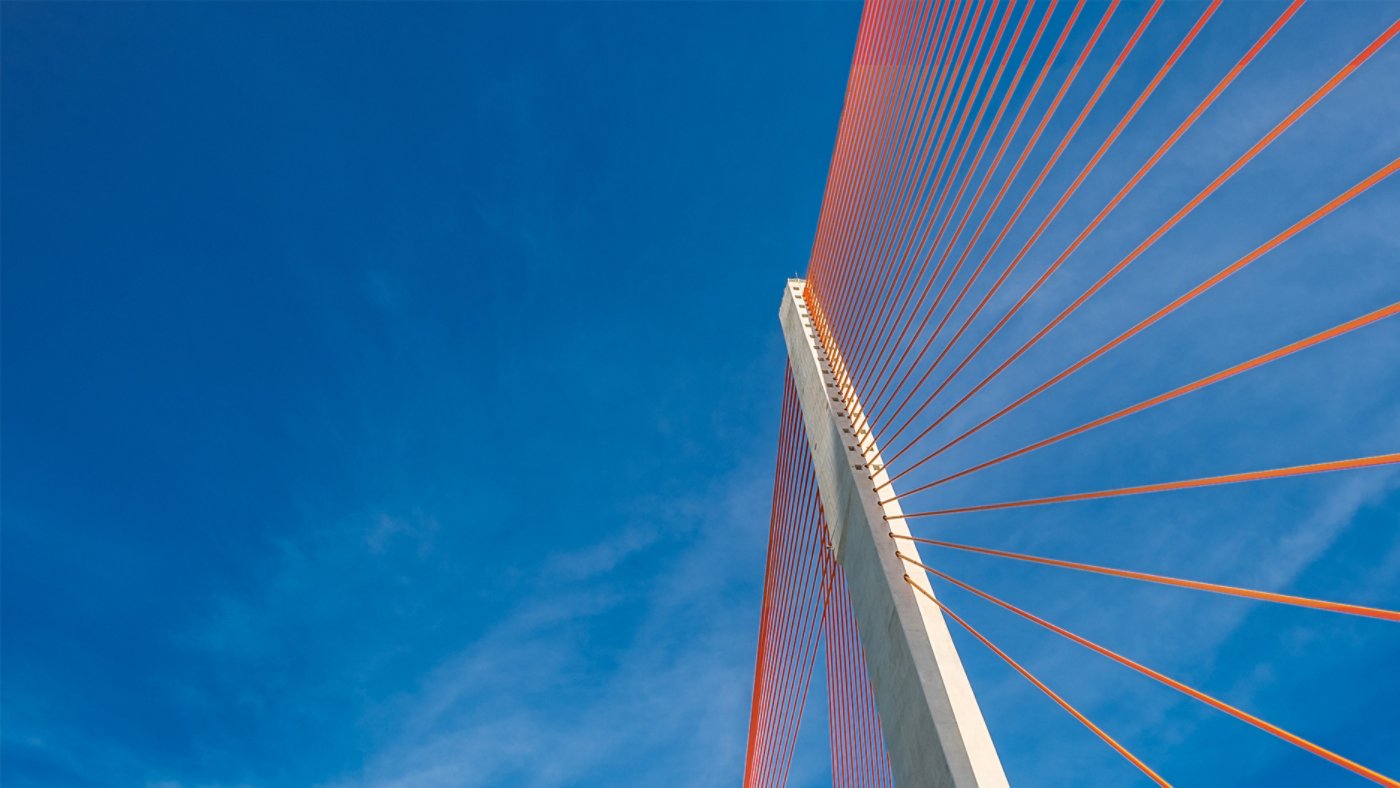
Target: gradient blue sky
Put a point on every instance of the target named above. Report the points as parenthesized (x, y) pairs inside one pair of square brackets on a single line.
[(390, 392), (390, 395)]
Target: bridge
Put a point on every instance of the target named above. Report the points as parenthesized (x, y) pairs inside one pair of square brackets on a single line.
[(1022, 196)]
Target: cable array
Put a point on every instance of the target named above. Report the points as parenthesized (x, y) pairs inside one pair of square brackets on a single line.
[(796, 585), (858, 755), (995, 180)]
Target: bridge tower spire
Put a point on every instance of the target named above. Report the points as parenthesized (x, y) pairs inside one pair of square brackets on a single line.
[(932, 725)]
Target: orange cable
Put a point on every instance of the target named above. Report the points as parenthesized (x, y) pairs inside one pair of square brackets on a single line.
[(1064, 704), (1186, 484), (1225, 374), (1246, 593), (1237, 713)]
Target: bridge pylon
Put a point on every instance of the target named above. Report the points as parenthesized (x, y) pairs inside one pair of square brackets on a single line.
[(932, 725)]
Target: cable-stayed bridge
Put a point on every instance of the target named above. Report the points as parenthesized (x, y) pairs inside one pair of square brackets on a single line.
[(1047, 225)]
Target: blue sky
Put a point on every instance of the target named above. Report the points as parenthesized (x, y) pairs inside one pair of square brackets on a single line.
[(390, 398), (390, 392)]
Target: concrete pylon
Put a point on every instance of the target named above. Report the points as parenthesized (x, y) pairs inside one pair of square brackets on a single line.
[(933, 728)]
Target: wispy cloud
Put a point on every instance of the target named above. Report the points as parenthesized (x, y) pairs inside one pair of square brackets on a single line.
[(542, 700)]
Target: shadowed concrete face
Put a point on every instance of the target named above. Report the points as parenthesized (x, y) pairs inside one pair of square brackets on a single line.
[(933, 729)]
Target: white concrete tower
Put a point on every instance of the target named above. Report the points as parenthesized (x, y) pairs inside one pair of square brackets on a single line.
[(933, 728)]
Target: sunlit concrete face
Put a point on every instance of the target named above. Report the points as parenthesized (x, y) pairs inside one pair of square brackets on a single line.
[(932, 725)]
